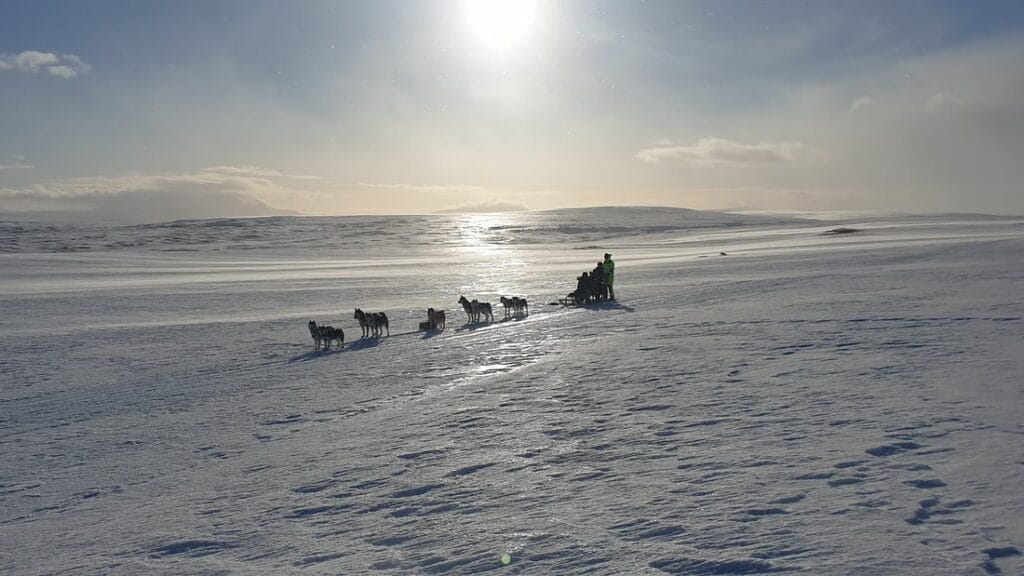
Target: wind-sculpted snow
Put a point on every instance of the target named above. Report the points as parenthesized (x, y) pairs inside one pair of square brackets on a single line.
[(807, 404), (296, 236)]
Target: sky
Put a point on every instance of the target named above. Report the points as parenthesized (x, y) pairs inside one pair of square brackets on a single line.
[(137, 110)]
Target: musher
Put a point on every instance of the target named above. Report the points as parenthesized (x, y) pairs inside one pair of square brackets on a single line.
[(609, 275)]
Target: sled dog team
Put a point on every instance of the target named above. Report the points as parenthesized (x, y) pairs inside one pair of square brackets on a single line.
[(375, 324), (596, 286)]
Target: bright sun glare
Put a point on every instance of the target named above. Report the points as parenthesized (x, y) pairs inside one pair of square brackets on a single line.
[(500, 24)]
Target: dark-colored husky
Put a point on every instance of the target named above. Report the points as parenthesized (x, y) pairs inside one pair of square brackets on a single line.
[(435, 319), (329, 333), (314, 331), (521, 306), (324, 335), (379, 321), (372, 324), (515, 305), (476, 309), (468, 307), (508, 304), (482, 309), (364, 322)]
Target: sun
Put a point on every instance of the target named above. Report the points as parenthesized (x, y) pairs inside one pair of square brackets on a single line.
[(501, 24)]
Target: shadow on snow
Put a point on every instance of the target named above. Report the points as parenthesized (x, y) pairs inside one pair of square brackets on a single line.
[(597, 306), (314, 354)]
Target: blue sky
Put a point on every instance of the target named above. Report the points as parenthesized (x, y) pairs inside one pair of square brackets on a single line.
[(405, 107)]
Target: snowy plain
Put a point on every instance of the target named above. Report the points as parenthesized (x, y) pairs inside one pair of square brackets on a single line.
[(804, 403)]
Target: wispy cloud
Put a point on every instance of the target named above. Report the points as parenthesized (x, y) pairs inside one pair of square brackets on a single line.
[(33, 62), (16, 163), (862, 104), (246, 180), (940, 101), (428, 188), (719, 151), (213, 192), (257, 172)]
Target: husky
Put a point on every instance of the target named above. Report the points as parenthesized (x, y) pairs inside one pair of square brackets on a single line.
[(509, 304), (476, 309), (515, 305), (435, 319), (468, 307), (379, 322), (481, 309), (314, 331), (372, 324), (364, 322), (324, 335), (522, 308), (329, 333)]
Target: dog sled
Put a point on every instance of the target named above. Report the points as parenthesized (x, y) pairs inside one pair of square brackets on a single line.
[(570, 300), (592, 287)]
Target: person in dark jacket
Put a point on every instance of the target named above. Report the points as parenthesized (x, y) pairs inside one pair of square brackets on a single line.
[(582, 286)]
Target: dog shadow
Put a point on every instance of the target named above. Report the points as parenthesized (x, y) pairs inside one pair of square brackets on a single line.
[(517, 318), (428, 334), (471, 326), (314, 355), (363, 343)]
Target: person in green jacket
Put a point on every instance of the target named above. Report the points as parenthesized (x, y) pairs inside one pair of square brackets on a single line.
[(609, 275)]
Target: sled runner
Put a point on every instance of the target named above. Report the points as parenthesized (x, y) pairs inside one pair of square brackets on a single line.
[(570, 300)]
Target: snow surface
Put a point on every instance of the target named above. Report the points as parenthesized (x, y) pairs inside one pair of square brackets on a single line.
[(807, 403)]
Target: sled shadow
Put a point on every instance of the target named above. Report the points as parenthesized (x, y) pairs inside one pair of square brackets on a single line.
[(613, 305), (607, 306)]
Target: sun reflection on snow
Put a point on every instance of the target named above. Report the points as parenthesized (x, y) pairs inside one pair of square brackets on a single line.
[(480, 234), (482, 241)]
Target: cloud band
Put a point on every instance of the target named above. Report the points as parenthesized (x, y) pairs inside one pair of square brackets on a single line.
[(33, 62)]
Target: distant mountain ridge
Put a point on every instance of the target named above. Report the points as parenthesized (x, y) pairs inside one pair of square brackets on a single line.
[(669, 215)]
